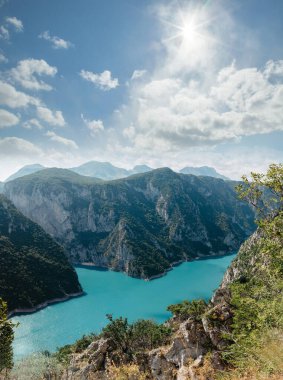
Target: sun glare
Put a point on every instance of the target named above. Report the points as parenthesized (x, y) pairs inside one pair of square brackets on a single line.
[(189, 32)]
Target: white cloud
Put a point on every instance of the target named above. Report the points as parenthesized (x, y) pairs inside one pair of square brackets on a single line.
[(14, 147), (57, 42), (62, 140), (95, 126), (54, 118), (104, 81), (4, 33), (138, 74), (3, 59), (29, 124), (12, 98), (28, 71), (16, 23), (8, 119)]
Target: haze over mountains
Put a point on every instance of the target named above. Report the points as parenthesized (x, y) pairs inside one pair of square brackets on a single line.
[(107, 171), (140, 224)]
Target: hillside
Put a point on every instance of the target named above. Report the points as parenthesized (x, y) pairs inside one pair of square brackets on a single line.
[(34, 269), (141, 224)]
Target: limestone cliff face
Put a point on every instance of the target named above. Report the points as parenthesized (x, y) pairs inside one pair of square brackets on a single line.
[(141, 224)]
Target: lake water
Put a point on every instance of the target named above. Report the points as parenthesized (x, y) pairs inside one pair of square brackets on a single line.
[(117, 294)]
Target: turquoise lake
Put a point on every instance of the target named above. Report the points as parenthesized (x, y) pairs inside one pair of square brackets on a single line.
[(117, 294)]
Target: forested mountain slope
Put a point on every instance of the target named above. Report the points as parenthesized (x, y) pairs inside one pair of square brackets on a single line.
[(34, 268), (141, 224)]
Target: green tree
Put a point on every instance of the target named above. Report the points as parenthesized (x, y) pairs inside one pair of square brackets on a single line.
[(6, 339)]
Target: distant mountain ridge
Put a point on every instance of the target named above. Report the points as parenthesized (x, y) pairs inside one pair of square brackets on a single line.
[(34, 268), (203, 171), (140, 224), (107, 171), (25, 170)]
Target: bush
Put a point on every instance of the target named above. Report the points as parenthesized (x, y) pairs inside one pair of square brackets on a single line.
[(138, 336), (188, 309)]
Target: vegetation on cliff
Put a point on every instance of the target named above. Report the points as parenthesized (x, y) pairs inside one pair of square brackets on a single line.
[(34, 268)]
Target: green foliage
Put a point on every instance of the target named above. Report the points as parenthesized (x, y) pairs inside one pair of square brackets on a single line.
[(34, 268), (63, 353), (6, 338), (257, 302), (188, 309), (136, 337)]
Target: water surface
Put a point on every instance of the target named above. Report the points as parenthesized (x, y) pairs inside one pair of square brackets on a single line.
[(117, 294)]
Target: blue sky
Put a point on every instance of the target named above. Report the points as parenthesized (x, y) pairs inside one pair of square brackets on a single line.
[(163, 83)]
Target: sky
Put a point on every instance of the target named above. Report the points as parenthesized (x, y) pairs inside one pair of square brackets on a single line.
[(162, 83)]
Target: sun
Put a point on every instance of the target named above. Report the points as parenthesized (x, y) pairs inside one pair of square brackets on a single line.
[(189, 32)]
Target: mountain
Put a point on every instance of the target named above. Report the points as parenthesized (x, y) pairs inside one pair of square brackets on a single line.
[(141, 224), (107, 171), (138, 169), (1, 187), (103, 170), (34, 268), (25, 170), (203, 171)]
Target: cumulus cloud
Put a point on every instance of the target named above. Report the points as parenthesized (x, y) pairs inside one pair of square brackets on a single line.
[(173, 113), (54, 118), (28, 72), (4, 33), (12, 98), (8, 119), (61, 140), (94, 126), (14, 147), (16, 23), (138, 74), (31, 123), (57, 42), (3, 59), (103, 81)]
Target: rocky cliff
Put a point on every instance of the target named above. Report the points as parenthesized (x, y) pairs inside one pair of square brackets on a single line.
[(141, 224), (34, 268)]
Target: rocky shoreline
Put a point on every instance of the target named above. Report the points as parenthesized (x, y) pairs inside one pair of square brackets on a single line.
[(41, 306)]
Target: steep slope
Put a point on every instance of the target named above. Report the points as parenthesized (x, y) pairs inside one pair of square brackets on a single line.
[(202, 171), (25, 170), (1, 187), (34, 269), (141, 224), (238, 335)]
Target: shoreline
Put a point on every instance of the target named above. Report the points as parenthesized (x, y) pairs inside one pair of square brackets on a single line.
[(43, 305), (93, 266)]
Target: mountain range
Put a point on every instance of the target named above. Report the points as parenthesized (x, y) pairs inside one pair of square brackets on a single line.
[(107, 171), (141, 224)]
